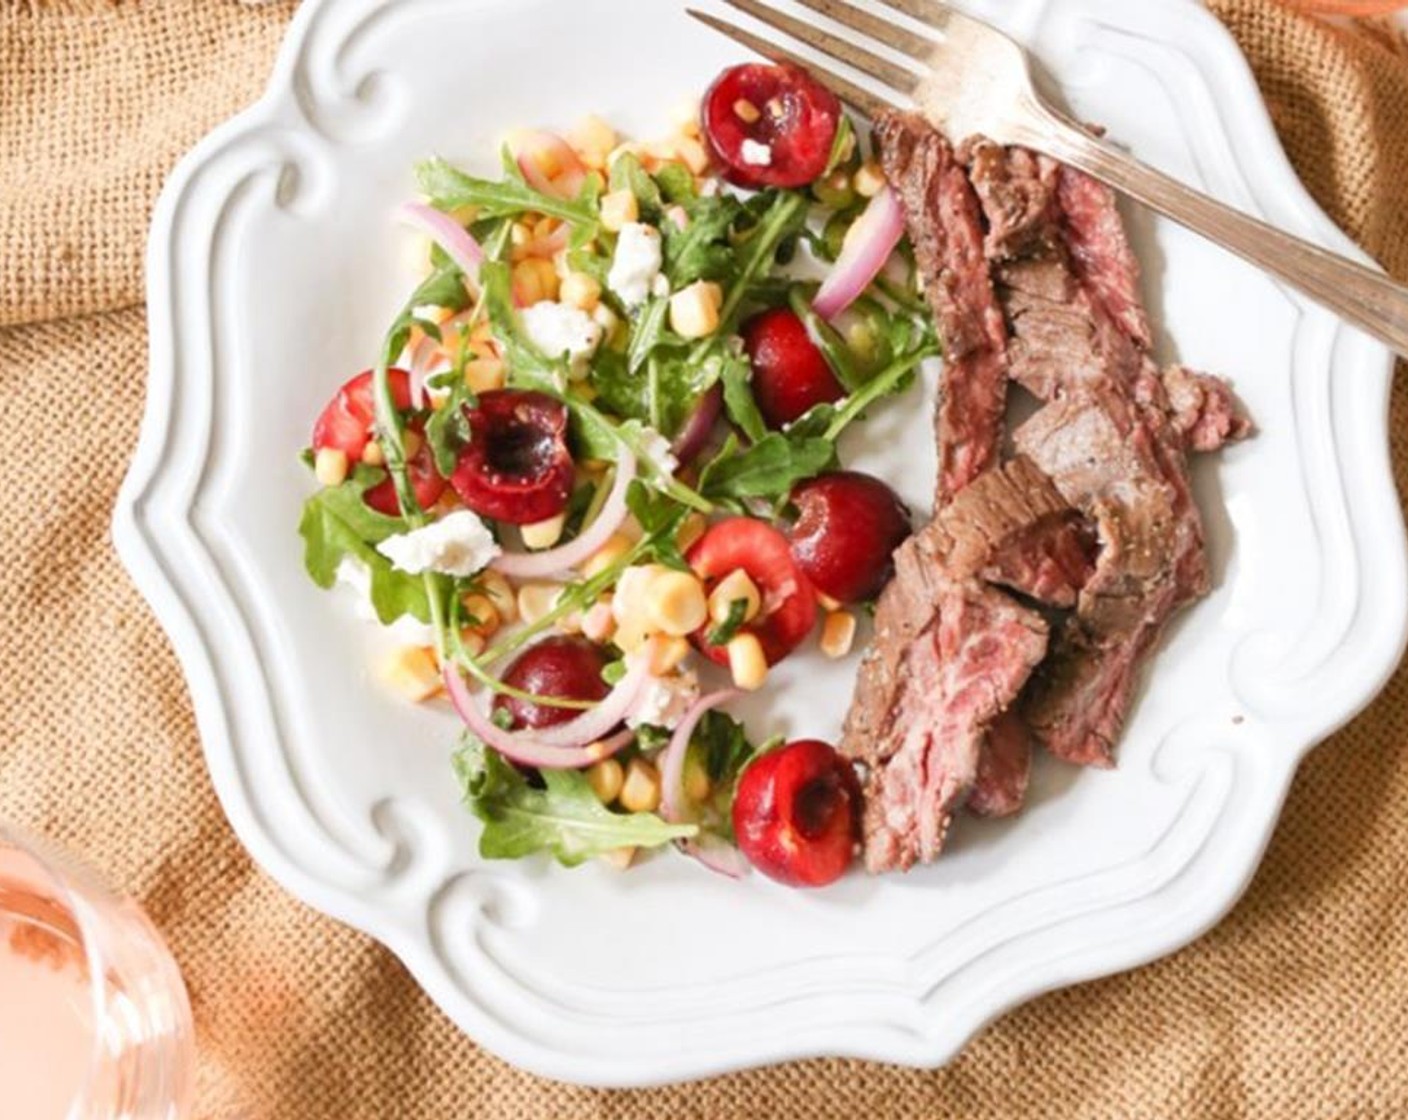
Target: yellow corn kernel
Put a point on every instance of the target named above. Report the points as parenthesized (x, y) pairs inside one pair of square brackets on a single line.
[(618, 209), (616, 546), (484, 375), (606, 778), (473, 642), (692, 527), (629, 636), (697, 786), (838, 634), (543, 534), (827, 603), (746, 111), (481, 614), (692, 154), (676, 604), (666, 655), (535, 600), (598, 623), (496, 588), (412, 672), (618, 859), (747, 663), (534, 280), (520, 234), (571, 622), (694, 311), (594, 139), (869, 179), (580, 291), (734, 586), (373, 455), (640, 790), (330, 466)]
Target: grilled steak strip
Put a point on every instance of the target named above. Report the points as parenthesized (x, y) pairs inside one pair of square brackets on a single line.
[(946, 231), (1100, 253), (1004, 768)]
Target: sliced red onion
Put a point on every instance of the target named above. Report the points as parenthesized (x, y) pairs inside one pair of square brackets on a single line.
[(868, 245), (537, 565), (672, 763), (530, 749), (421, 355), (694, 435), (527, 146), (717, 854), (448, 234)]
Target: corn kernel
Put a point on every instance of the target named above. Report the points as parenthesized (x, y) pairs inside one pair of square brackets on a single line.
[(733, 587), (693, 154), (598, 624), (605, 778), (593, 138), (827, 603), (676, 604), (580, 291), (692, 527), (520, 234), (666, 655), (534, 281), (869, 179), (411, 444), (330, 466), (571, 622), (633, 593), (640, 790), (484, 375), (618, 209), (472, 641), (746, 111), (697, 786), (482, 614), (373, 455), (496, 588), (412, 672), (618, 859), (535, 600), (694, 311), (629, 636), (838, 633), (747, 663), (615, 547), (543, 534)]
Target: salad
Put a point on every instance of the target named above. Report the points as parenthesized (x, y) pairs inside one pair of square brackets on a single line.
[(591, 480)]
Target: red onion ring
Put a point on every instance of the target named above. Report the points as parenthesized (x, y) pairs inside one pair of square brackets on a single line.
[(695, 434), (536, 565), (868, 245), (527, 146), (672, 763), (716, 854), (459, 246)]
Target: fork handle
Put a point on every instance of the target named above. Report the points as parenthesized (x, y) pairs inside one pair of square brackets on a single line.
[(1359, 294)]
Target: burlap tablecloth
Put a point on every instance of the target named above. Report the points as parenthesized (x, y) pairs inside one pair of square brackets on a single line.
[(1294, 1006)]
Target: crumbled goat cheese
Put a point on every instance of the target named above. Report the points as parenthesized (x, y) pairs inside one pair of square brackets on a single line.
[(636, 263), (558, 329), (666, 700), (756, 155), (456, 545), (656, 449)]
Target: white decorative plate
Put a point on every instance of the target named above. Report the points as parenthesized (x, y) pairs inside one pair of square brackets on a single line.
[(274, 267)]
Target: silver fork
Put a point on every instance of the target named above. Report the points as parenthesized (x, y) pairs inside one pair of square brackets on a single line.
[(972, 79)]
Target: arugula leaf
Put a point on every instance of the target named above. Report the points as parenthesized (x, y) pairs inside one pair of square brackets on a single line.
[(564, 819), (833, 348), (659, 517), (740, 403), (628, 174), (676, 183), (784, 214), (724, 744), (338, 524), (701, 251), (769, 469), (843, 147), (648, 333), (726, 630), (449, 188)]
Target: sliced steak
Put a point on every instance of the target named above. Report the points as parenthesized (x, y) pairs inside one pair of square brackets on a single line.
[(1004, 768), (929, 689), (1122, 461), (1100, 253), (1204, 409), (1017, 190), (945, 228)]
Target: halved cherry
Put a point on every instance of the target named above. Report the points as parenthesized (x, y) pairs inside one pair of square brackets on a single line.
[(770, 126), (796, 814), (516, 466), (789, 602), (562, 667), (426, 481), (790, 373), (848, 528), (345, 424)]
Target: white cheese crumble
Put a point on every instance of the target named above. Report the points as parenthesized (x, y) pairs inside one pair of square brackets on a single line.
[(459, 544), (656, 449), (665, 701), (636, 263), (558, 329), (756, 155), (660, 286)]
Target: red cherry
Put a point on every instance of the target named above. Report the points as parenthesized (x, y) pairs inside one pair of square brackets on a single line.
[(790, 374), (516, 466), (789, 603), (796, 814), (848, 528), (426, 480), (345, 424), (786, 117), (563, 667)]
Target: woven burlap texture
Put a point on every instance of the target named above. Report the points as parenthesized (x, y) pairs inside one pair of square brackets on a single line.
[(1293, 1006)]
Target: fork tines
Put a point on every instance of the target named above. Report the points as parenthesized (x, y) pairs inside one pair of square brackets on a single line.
[(900, 82)]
